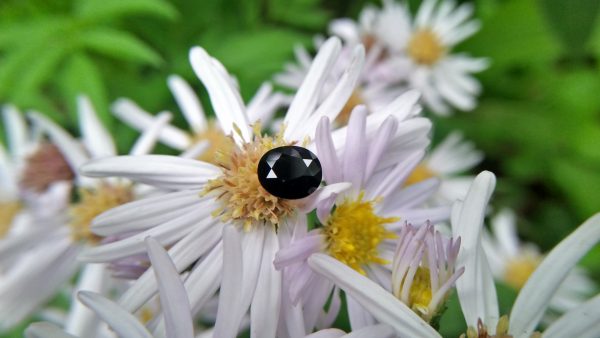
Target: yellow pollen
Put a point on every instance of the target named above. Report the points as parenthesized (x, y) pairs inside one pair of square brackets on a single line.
[(354, 233), (146, 315), (420, 174), (420, 294), (425, 47), (354, 100), (92, 202), (518, 270), (243, 199), (8, 211), (218, 142)]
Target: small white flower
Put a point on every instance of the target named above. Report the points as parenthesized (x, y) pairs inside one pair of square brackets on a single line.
[(476, 289)]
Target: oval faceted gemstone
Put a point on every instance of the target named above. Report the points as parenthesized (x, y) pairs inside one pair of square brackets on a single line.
[(289, 172)]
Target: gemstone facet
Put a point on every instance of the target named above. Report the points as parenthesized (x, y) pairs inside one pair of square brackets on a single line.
[(289, 172)]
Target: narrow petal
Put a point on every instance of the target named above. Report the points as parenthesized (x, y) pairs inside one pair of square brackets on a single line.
[(147, 140), (267, 297), (173, 297), (46, 330), (326, 152), (380, 143), (327, 333), (188, 102), (535, 295), (81, 321), (379, 331), (16, 130), (579, 322), (169, 172), (122, 322), (96, 138), (380, 303), (355, 150), (310, 203)]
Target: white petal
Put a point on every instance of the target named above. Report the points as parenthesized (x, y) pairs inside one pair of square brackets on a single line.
[(188, 102), (45, 330), (134, 116), (81, 321), (379, 331), (205, 278), (227, 103), (326, 152), (96, 138), (229, 314), (173, 297), (355, 150), (380, 303), (358, 316), (147, 140), (397, 175), (379, 144), (16, 130), (267, 297), (476, 294), (309, 203), (582, 320), (121, 321), (535, 295), (327, 333), (169, 172)]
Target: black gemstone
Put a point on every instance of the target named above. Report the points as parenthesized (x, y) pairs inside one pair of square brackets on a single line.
[(289, 172)]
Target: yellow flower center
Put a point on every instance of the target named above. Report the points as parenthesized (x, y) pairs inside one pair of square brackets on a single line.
[(354, 233), (92, 202), (243, 199), (218, 142), (354, 100), (420, 294), (425, 47), (420, 174), (8, 211), (518, 270)]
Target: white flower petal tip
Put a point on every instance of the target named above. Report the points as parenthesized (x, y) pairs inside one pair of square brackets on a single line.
[(386, 308), (122, 322), (535, 295), (45, 330), (310, 203)]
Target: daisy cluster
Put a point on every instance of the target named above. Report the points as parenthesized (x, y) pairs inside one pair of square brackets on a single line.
[(282, 214)]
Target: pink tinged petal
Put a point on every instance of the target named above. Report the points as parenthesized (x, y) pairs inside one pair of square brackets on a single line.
[(147, 140), (337, 98), (412, 196), (81, 321), (355, 150), (326, 153), (315, 297), (188, 102), (536, 294), (146, 213), (226, 100), (131, 114), (332, 312), (379, 144), (69, 147), (299, 250), (185, 252), (122, 322), (311, 202), (324, 208), (173, 297), (476, 290), (397, 175), (358, 316), (46, 330), (373, 331), (327, 333), (380, 303), (582, 321), (307, 95), (403, 107), (166, 233), (264, 313), (96, 138), (168, 172), (229, 314)]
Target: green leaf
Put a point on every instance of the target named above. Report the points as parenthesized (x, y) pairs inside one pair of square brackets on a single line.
[(571, 21), (38, 71), (120, 45), (81, 76), (581, 183), (12, 34), (97, 10)]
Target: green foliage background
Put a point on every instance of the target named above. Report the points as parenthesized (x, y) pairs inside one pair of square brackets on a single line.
[(538, 120)]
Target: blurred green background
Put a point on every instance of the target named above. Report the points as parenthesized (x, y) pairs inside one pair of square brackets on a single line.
[(538, 121)]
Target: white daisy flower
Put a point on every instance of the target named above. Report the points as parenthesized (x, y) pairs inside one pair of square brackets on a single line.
[(512, 262), (44, 256), (360, 229), (239, 242), (477, 292), (204, 131), (448, 161), (417, 51)]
